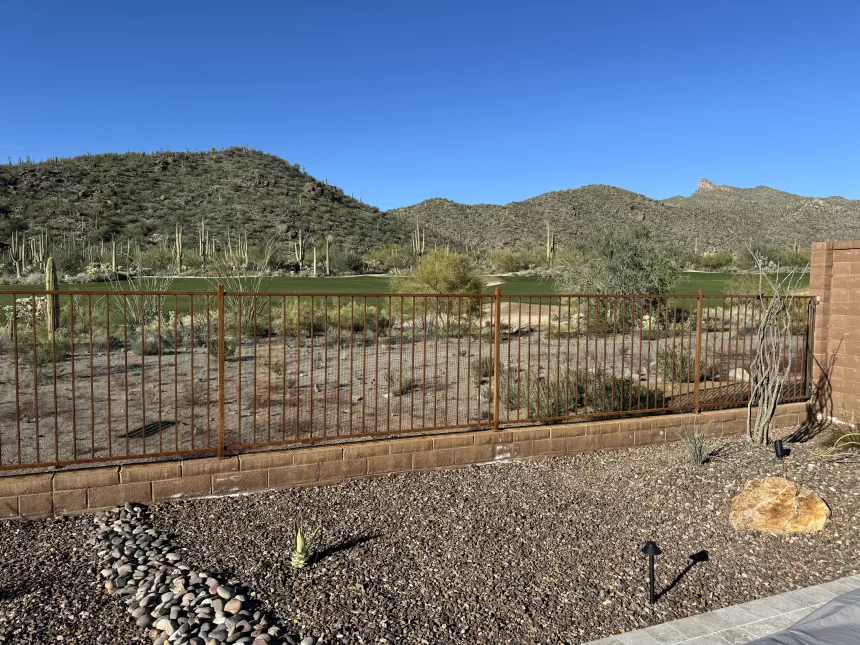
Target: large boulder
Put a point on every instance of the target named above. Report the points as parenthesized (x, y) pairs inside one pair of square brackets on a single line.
[(777, 505)]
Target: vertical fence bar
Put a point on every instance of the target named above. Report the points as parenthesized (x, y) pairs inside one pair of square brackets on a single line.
[(221, 371), (698, 363), (497, 358)]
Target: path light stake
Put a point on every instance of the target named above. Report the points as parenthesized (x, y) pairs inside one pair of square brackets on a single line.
[(780, 451), (651, 549)]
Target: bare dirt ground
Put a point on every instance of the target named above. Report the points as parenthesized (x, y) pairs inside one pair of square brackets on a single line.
[(109, 401)]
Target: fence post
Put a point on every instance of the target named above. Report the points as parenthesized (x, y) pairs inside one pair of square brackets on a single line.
[(220, 371), (497, 358), (698, 364)]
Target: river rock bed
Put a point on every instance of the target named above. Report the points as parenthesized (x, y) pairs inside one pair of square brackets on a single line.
[(174, 602)]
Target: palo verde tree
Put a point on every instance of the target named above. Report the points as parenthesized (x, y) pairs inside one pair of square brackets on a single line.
[(623, 261)]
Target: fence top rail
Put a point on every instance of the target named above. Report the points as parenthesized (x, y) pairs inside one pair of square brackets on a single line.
[(106, 292), (473, 296)]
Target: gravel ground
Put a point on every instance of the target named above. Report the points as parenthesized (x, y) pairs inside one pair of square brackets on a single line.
[(50, 590), (531, 552)]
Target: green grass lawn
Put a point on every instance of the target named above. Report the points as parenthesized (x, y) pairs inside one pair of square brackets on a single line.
[(711, 284)]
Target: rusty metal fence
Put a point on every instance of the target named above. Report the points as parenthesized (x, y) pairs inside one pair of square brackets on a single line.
[(88, 376)]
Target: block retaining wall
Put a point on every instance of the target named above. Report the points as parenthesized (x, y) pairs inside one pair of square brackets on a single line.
[(71, 492), (835, 279)]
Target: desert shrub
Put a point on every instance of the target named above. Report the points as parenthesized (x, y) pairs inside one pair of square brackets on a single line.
[(389, 258), (442, 273), (572, 391), (68, 259), (746, 284), (696, 445), (715, 260), (717, 318), (157, 259), (623, 261), (399, 384), (483, 367), (357, 319), (507, 261), (341, 261), (49, 353), (678, 365)]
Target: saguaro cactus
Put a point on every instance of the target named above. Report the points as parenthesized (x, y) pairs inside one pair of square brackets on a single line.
[(177, 248), (52, 300), (204, 244), (418, 239), (550, 244), (327, 239), (17, 252), (299, 249)]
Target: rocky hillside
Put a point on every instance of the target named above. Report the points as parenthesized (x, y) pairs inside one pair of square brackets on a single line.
[(713, 217), (142, 196)]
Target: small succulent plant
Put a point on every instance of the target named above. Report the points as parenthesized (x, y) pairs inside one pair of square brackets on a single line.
[(301, 552)]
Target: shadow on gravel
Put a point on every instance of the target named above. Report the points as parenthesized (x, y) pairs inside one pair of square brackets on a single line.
[(701, 556), (19, 588), (343, 546)]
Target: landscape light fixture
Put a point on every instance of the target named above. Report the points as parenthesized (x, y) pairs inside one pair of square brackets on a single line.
[(780, 451), (651, 550)]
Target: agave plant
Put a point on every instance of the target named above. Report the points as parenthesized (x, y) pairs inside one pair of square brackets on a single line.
[(301, 552)]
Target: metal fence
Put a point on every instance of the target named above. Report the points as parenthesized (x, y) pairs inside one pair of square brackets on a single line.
[(90, 376)]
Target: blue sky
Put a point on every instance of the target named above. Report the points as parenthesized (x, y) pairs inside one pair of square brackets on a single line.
[(398, 102)]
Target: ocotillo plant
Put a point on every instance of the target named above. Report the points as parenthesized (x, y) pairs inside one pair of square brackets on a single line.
[(52, 300)]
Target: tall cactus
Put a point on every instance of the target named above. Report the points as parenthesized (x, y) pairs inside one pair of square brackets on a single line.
[(315, 260), (299, 250), (17, 252), (177, 248), (204, 245), (550, 244), (327, 240), (52, 300), (418, 239)]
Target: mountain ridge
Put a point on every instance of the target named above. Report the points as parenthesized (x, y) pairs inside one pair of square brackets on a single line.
[(142, 196)]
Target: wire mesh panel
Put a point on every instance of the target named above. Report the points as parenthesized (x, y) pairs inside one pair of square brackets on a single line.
[(309, 367), (97, 376), (101, 376), (604, 356)]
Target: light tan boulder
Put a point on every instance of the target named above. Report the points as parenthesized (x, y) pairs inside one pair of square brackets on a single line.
[(777, 505)]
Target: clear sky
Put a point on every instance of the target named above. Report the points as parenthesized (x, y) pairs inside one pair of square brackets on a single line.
[(497, 101)]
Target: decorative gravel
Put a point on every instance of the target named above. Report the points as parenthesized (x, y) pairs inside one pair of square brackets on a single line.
[(50, 590), (533, 552)]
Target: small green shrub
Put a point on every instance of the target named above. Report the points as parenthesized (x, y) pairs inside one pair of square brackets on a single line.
[(715, 260), (507, 261), (398, 384), (678, 366), (483, 367), (577, 391), (697, 447)]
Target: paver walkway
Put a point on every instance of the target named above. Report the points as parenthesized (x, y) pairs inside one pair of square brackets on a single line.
[(739, 624)]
